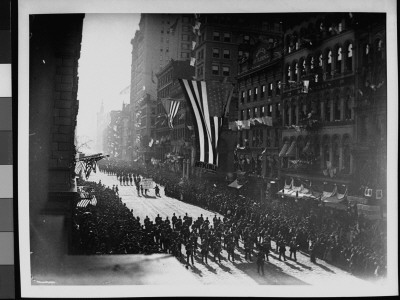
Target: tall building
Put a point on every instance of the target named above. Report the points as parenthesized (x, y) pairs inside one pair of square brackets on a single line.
[(223, 41), (160, 38), (369, 146), (177, 140), (321, 100), (259, 86)]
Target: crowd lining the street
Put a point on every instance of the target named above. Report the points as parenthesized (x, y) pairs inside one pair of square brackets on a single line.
[(341, 238)]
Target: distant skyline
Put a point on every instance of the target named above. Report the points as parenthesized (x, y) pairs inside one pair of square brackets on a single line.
[(104, 67)]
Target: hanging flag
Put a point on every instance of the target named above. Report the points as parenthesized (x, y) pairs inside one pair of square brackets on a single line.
[(197, 25), (267, 120), (239, 124), (171, 107), (259, 120), (190, 127), (192, 61), (246, 124), (208, 120), (125, 90), (152, 77), (151, 143), (193, 45), (233, 126)]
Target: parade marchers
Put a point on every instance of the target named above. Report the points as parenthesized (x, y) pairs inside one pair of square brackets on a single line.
[(341, 238)]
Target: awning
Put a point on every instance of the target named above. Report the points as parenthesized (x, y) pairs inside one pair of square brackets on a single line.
[(292, 149), (235, 185), (284, 149)]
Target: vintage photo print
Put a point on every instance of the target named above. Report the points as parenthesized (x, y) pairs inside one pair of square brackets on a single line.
[(203, 148)]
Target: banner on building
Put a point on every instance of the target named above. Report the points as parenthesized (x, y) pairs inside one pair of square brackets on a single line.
[(369, 211), (207, 109)]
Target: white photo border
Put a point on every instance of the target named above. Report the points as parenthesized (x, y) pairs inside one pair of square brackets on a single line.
[(27, 7)]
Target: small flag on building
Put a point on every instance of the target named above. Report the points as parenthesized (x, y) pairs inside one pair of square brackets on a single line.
[(192, 61), (193, 45), (306, 84), (171, 107)]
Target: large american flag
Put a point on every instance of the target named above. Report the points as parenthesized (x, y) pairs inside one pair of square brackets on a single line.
[(207, 102), (171, 107)]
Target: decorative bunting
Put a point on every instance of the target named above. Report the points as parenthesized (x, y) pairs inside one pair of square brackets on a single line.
[(208, 120)]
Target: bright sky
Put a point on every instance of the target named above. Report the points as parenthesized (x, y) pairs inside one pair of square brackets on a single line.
[(104, 67)]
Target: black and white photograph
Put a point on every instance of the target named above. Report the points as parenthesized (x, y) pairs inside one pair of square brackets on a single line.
[(209, 148)]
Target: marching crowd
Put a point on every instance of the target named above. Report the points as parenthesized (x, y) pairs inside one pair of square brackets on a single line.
[(340, 237)]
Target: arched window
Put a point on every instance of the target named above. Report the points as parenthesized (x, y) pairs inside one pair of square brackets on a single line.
[(335, 152), (312, 63), (300, 146), (337, 108), (329, 62), (296, 71), (288, 74), (302, 109), (293, 113), (325, 151), (286, 114), (316, 147), (320, 61), (346, 155), (349, 60), (316, 107), (327, 109), (347, 108), (339, 60)]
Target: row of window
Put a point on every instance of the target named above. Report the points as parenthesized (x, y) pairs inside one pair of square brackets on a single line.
[(216, 70), (258, 112), (333, 151), (321, 62), (259, 137), (226, 54), (225, 37), (329, 110), (259, 93)]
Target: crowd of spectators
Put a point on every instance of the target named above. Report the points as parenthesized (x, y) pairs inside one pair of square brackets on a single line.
[(340, 237)]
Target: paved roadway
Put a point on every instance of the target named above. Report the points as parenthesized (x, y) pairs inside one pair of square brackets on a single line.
[(241, 272)]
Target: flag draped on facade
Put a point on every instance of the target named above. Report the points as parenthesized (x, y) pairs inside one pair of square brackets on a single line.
[(171, 107), (207, 105)]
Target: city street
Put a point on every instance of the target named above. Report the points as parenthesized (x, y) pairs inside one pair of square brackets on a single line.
[(240, 272)]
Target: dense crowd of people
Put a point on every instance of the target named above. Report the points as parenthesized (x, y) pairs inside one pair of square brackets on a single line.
[(340, 237)]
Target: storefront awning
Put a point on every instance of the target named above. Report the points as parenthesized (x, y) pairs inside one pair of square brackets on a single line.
[(292, 149), (235, 185), (284, 149)]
